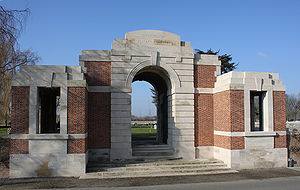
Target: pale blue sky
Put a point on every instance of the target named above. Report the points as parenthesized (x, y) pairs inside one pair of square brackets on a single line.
[(261, 35)]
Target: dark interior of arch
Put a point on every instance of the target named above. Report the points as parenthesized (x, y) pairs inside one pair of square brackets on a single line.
[(160, 85)]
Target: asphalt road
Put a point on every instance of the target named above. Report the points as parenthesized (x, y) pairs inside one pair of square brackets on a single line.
[(277, 178), (288, 183)]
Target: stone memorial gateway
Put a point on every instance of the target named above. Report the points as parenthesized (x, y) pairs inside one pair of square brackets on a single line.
[(237, 117)]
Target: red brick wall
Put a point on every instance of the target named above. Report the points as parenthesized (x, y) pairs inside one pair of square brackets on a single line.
[(77, 110), (19, 146), (77, 146), (237, 111), (204, 76), (229, 111), (204, 123), (237, 143), (98, 73), (222, 111), (280, 141), (279, 114), (20, 110), (279, 110), (231, 143), (99, 123), (229, 117)]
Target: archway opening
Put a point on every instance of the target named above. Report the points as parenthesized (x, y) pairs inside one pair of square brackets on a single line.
[(143, 113), (157, 78)]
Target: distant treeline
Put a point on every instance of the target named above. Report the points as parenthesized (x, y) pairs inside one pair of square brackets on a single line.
[(143, 118)]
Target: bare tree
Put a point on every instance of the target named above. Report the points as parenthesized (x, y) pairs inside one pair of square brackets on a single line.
[(292, 106), (11, 56), (5, 100)]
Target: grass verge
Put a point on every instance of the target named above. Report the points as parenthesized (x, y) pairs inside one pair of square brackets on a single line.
[(143, 132)]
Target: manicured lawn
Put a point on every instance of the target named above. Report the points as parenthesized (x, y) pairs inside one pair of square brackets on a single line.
[(143, 133)]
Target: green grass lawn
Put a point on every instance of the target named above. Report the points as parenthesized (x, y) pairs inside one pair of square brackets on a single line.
[(143, 133), (3, 131)]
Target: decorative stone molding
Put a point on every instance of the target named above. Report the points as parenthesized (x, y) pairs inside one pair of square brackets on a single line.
[(169, 71)]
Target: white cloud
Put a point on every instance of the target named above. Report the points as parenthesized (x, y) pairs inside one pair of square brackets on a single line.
[(262, 54)]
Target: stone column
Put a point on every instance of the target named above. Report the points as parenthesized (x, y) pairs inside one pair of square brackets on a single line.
[(120, 112), (181, 103), (33, 110)]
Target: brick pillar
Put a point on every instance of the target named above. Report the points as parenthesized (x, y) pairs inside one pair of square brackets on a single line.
[(99, 120), (20, 110), (99, 107), (19, 118), (279, 114), (98, 73), (204, 78), (77, 118), (204, 129)]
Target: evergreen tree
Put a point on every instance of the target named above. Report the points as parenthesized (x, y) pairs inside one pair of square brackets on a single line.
[(226, 60)]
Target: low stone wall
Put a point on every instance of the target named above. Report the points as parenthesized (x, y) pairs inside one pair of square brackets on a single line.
[(292, 125), (293, 141), (4, 157)]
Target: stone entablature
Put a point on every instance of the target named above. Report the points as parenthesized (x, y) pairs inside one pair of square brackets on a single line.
[(203, 114)]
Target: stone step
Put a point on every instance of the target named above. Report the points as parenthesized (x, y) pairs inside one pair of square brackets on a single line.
[(153, 152), (159, 171), (136, 160), (156, 174), (151, 146), (154, 168), (146, 150), (155, 158), (133, 168), (172, 161)]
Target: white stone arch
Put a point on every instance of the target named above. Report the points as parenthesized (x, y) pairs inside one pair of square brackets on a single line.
[(172, 82), (173, 77)]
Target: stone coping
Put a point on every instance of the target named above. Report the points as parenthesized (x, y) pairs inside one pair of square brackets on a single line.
[(48, 136), (4, 136), (251, 134), (260, 134)]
